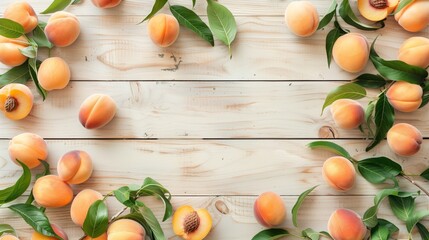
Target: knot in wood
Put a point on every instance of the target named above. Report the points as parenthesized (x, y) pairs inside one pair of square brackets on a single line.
[(192, 222), (10, 104), (379, 4)]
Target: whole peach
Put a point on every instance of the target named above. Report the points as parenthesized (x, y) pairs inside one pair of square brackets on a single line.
[(8, 237), (347, 113), (163, 29), (415, 16), (269, 209), (404, 139), (54, 73), (29, 148), (339, 173), (57, 230), (96, 111), (345, 224), (404, 96), (302, 18), (106, 3), (75, 167), (415, 51), (351, 52), (51, 192), (10, 53), (125, 229), (62, 29), (22, 13), (81, 203)]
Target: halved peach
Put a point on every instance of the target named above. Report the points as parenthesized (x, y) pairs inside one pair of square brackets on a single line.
[(16, 101), (376, 10), (191, 224)]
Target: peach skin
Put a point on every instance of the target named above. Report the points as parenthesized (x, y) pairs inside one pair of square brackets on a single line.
[(81, 203), (106, 3), (191, 224), (75, 167), (28, 148), (163, 29), (302, 18), (97, 111), (415, 16), (125, 229), (415, 51), (62, 29), (10, 53), (269, 209), (54, 73), (51, 192), (339, 173), (347, 113), (404, 139), (351, 52), (345, 224), (8, 237), (22, 13), (404, 96), (16, 101)]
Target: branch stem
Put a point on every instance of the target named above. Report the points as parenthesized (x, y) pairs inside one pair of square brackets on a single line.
[(409, 179)]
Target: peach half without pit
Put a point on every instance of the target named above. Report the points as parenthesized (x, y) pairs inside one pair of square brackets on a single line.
[(191, 224), (16, 101)]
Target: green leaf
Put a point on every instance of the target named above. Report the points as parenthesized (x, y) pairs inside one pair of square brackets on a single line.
[(424, 233), (76, 2), (153, 188), (383, 230), (369, 111), (331, 38), (378, 169), (368, 80), (326, 235), (381, 195), (298, 204), (13, 192), (425, 100), (330, 146), (384, 119), (349, 17), (402, 4), (370, 218), (311, 234), (124, 196), (6, 228), (194, 2), (32, 69), (151, 220), (10, 29), (271, 234), (348, 90), (402, 207), (45, 172), (40, 38), (415, 218), (29, 51), (192, 21), (222, 23), (158, 5), (425, 174), (329, 15), (17, 74), (57, 5), (36, 218), (97, 219)]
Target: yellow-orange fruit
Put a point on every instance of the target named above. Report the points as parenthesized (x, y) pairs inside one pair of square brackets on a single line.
[(29, 149), (191, 224), (347, 113), (10, 53), (16, 101), (345, 224), (415, 16), (62, 29), (125, 229), (75, 167), (351, 52), (51, 192), (106, 3), (415, 51), (102, 237), (269, 209), (96, 111), (54, 73), (81, 204), (404, 96), (404, 139), (57, 230), (8, 237), (302, 18), (339, 173), (374, 10), (163, 29), (22, 13)]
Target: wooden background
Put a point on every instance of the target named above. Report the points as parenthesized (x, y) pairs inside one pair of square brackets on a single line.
[(216, 132)]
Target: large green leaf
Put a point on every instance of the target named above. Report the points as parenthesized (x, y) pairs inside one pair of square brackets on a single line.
[(124, 195), (378, 169), (97, 219), (370, 217), (383, 230), (13, 192), (271, 234), (349, 17), (57, 5), (158, 5), (10, 29), (151, 220), (424, 233), (368, 80), (298, 204), (17, 74), (402, 207), (329, 15), (425, 174), (415, 218), (384, 117), (348, 90), (330, 146)]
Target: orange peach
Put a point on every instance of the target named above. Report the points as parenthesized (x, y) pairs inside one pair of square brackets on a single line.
[(54, 73), (62, 29), (57, 230), (345, 224), (106, 3), (351, 52), (51, 192), (302, 18), (163, 29), (339, 173), (404, 139), (191, 224), (81, 204), (347, 113), (75, 167), (102, 237), (28, 148), (404, 96), (16, 101), (415, 51), (10, 53), (97, 111), (8, 237), (22, 13), (269, 209), (125, 229), (415, 16), (376, 10)]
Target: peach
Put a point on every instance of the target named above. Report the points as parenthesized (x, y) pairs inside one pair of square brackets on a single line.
[(75, 167), (54, 73), (302, 18), (28, 148), (22, 13), (106, 3), (415, 51), (62, 29), (125, 229), (16, 101), (404, 96), (404, 139), (10, 53), (102, 237), (415, 16), (81, 204), (345, 224), (351, 52), (191, 224), (51, 192), (376, 10), (163, 29), (97, 111), (347, 113), (339, 173), (8, 237), (269, 209), (57, 230)]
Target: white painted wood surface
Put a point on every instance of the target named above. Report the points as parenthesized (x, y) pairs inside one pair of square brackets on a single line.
[(212, 130)]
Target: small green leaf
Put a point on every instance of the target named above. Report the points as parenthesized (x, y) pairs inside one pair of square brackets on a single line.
[(369, 111), (123, 195), (40, 38), (153, 188), (349, 17), (29, 51), (383, 230), (194, 2), (348, 90), (329, 15), (330, 146), (6, 228), (331, 38), (311, 234), (10, 29), (402, 207), (424, 233), (97, 219), (415, 218), (32, 69), (271, 234), (368, 80), (151, 220), (370, 218), (298, 204), (425, 174), (384, 119), (378, 169), (57, 5), (17, 74), (381, 195), (13, 192), (402, 4), (158, 5)]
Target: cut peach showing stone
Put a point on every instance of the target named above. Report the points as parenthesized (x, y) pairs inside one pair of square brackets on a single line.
[(415, 51), (302, 18), (22, 13), (81, 203), (345, 224), (106, 3), (8, 237), (75, 167), (57, 230), (54, 73), (163, 29), (10, 53), (191, 224), (51, 192), (339, 173), (347, 113), (16, 101), (404, 96), (97, 111), (351, 52), (415, 16), (29, 149), (404, 139), (125, 229), (62, 29), (376, 10), (269, 209)]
